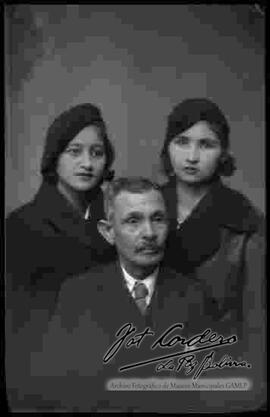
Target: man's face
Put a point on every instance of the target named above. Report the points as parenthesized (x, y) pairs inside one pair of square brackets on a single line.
[(139, 229)]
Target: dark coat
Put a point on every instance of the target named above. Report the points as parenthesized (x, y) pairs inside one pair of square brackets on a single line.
[(46, 241), (213, 243), (67, 372), (221, 244)]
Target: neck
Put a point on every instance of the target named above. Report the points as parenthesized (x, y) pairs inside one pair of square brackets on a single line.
[(78, 200), (137, 272), (189, 195)]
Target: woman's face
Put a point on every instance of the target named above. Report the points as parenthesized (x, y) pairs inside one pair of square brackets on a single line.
[(195, 153), (81, 165)]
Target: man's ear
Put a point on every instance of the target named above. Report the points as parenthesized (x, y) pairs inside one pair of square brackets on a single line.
[(106, 230)]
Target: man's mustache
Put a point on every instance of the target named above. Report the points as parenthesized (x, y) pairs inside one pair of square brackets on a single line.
[(150, 246)]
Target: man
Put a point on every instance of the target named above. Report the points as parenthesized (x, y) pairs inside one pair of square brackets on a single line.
[(134, 300)]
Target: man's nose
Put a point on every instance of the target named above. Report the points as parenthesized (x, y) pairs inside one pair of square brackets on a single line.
[(149, 229), (193, 154)]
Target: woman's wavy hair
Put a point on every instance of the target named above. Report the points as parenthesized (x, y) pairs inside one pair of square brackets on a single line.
[(186, 114), (64, 128)]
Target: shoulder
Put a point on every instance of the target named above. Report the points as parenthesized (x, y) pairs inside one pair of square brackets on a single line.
[(30, 216), (94, 279), (97, 204), (236, 211), (20, 211), (47, 207), (79, 292), (183, 294), (168, 188), (20, 217), (176, 281), (40, 203)]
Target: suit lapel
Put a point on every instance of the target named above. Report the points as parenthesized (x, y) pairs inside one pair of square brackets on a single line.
[(118, 299), (171, 302), (177, 299)]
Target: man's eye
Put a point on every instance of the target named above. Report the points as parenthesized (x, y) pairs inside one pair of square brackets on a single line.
[(159, 219), (132, 220)]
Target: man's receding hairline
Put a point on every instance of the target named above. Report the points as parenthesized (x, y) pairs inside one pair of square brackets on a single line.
[(138, 192), (111, 207)]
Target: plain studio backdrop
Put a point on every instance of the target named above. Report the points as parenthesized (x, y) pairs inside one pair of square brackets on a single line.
[(135, 62)]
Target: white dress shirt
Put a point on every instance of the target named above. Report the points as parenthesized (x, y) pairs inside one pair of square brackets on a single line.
[(149, 282)]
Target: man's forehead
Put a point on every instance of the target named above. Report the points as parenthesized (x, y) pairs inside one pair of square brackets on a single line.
[(130, 200)]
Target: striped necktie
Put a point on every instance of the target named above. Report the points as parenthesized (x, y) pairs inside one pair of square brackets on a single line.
[(141, 292)]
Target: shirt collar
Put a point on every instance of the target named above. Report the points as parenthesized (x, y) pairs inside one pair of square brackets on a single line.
[(87, 214), (149, 282)]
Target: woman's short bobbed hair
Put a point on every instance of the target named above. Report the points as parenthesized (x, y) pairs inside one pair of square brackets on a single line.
[(64, 128), (186, 114)]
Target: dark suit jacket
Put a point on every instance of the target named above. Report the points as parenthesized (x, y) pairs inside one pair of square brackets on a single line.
[(64, 368)]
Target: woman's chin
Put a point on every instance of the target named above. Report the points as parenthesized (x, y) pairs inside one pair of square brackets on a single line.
[(85, 186), (189, 179)]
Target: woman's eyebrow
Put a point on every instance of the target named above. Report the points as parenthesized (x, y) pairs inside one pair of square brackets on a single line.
[(77, 144), (74, 145), (209, 138)]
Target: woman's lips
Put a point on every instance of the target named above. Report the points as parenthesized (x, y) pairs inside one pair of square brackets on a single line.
[(87, 176), (191, 170)]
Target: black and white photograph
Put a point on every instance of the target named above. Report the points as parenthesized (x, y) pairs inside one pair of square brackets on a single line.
[(135, 208)]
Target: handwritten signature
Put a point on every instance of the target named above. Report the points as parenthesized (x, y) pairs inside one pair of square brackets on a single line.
[(126, 337), (190, 364)]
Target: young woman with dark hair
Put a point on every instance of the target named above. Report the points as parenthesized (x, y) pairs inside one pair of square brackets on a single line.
[(216, 234), (55, 235), (202, 210)]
